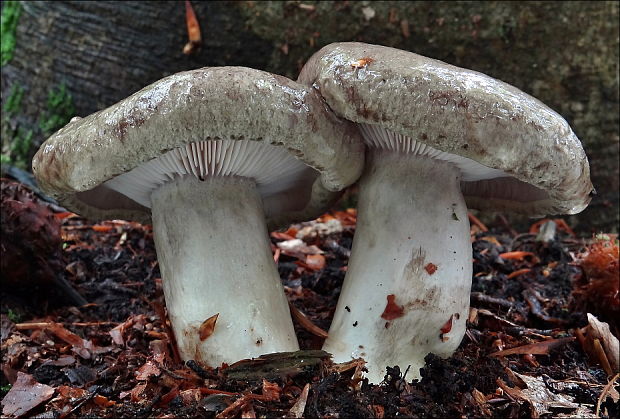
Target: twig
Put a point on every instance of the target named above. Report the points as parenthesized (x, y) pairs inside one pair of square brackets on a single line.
[(475, 221), (603, 395), (483, 298), (306, 323), (44, 325), (506, 225)]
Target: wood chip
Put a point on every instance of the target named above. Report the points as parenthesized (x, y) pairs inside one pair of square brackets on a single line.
[(538, 348)]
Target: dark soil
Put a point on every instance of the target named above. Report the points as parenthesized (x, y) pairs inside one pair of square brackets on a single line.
[(133, 371)]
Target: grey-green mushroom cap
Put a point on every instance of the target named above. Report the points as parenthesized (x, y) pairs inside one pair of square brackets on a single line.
[(205, 122), (515, 153)]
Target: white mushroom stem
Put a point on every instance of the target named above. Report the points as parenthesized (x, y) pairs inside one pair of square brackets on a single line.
[(411, 219), (215, 259)]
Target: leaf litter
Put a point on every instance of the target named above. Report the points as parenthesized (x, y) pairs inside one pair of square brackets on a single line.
[(536, 344)]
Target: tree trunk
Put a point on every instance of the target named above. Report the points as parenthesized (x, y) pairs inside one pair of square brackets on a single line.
[(104, 51), (563, 53)]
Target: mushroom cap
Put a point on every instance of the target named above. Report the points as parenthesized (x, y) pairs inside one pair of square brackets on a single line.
[(219, 103), (464, 113)]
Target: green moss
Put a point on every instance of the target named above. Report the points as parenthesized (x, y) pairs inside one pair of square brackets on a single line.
[(14, 100), (10, 17), (16, 141), (59, 111), (13, 316)]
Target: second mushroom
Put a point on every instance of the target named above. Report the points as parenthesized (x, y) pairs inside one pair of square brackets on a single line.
[(439, 139)]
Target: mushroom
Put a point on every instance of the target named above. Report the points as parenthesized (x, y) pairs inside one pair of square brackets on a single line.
[(210, 156), (439, 139)]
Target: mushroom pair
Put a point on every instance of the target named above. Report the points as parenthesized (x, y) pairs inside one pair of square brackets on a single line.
[(213, 153), (210, 157)]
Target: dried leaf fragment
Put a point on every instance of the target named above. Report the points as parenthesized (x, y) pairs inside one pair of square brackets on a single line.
[(193, 30), (538, 348), (25, 395), (297, 411), (207, 327), (430, 268), (392, 310), (518, 255), (305, 322), (363, 62), (541, 398), (315, 262), (149, 369), (610, 343)]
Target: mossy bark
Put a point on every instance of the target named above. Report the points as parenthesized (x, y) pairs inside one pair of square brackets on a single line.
[(564, 53)]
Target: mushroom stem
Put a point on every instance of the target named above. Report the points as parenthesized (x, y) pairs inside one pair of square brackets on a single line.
[(214, 255), (406, 292)]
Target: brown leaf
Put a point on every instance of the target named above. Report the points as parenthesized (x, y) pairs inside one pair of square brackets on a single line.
[(207, 327), (610, 343), (297, 411), (193, 30), (363, 62), (83, 347), (271, 391), (149, 369), (315, 262), (518, 255), (537, 348), (541, 398), (305, 322), (298, 249), (103, 401), (392, 310), (25, 395)]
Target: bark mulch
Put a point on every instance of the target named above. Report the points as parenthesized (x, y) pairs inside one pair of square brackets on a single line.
[(538, 342)]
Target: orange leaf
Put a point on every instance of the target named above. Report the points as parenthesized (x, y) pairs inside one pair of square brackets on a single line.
[(519, 272), (103, 401), (207, 327), (315, 262), (430, 268), (362, 62), (392, 310), (193, 28), (65, 214), (475, 221), (102, 228), (282, 236), (518, 255)]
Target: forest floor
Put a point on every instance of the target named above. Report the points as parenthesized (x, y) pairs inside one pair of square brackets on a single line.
[(531, 349)]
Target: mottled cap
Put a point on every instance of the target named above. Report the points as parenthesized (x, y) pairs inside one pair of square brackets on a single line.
[(533, 162), (81, 163)]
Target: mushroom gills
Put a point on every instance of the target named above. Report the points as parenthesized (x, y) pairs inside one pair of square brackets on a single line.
[(274, 169), (478, 182)]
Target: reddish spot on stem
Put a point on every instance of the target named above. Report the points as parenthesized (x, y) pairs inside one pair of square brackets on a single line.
[(392, 310), (430, 268), (448, 326)]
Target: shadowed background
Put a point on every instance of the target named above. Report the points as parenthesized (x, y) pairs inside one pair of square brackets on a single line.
[(61, 59)]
